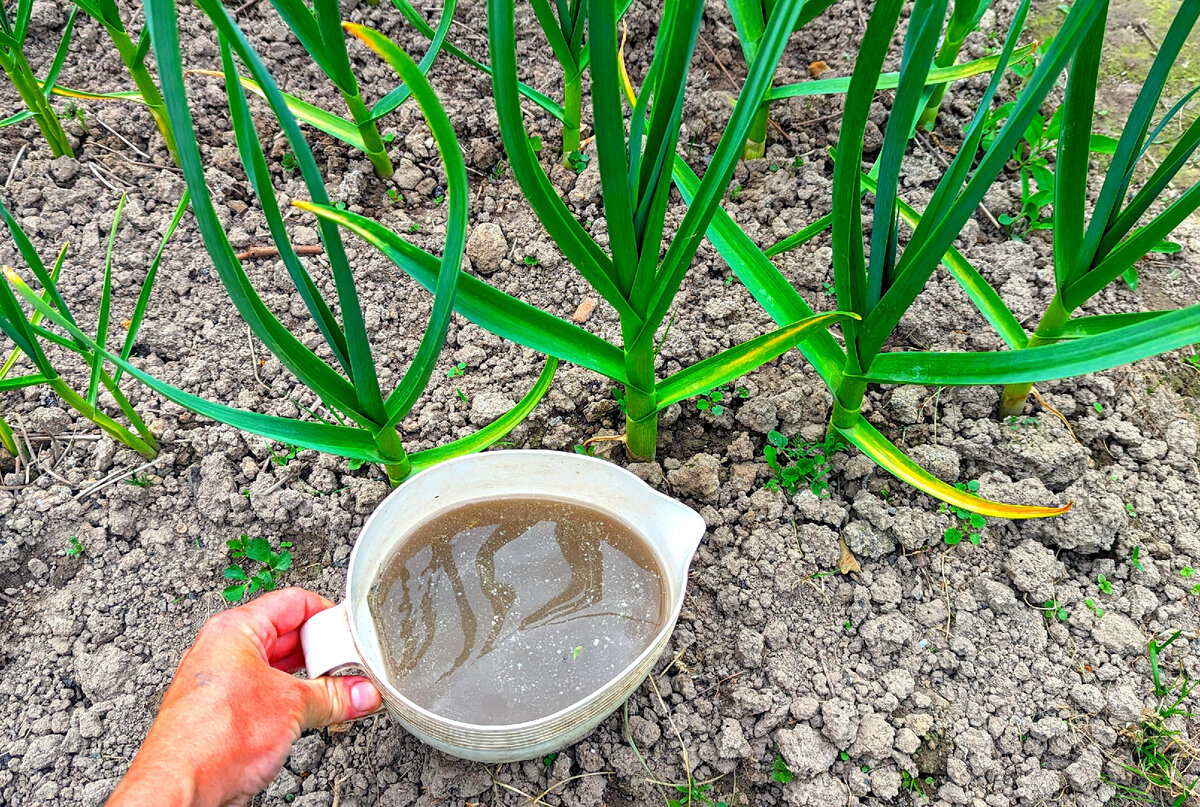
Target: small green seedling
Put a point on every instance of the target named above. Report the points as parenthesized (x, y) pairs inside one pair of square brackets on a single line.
[(735, 193), (578, 160), (531, 260), (266, 578), (711, 402), (1099, 407), (457, 370), (1129, 511), (916, 785), (969, 525), (340, 205), (575, 651), (1159, 749), (441, 197), (1014, 422), (843, 756), (780, 772), (587, 451), (138, 480), (535, 142), (462, 396), (1104, 584), (1186, 572), (394, 196), (548, 760), (794, 463), (619, 396), (1032, 159), (1095, 609), (282, 458), (76, 112), (693, 794), (1055, 610), (1134, 558), (414, 227), (288, 161), (74, 547)]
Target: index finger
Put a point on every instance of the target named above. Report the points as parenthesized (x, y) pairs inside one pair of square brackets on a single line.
[(278, 612)]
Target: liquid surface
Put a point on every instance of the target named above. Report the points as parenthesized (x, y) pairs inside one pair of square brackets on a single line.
[(507, 610)]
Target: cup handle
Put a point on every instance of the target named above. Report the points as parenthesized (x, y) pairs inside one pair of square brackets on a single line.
[(327, 643)]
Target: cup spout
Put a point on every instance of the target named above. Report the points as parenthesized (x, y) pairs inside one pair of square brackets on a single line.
[(680, 529)]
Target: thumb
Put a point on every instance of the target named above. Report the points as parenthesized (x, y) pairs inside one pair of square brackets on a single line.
[(337, 699)]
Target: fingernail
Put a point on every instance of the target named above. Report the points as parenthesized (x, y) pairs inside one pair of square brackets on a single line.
[(364, 697)]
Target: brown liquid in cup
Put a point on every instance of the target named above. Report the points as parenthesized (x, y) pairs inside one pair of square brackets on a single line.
[(503, 611)]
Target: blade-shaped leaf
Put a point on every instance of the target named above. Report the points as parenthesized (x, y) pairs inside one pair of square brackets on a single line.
[(609, 122), (741, 359), (303, 24), (889, 81), (143, 300), (578, 246), (399, 95), (329, 385), (495, 430), (749, 23), (487, 307), (254, 162), (545, 102), (11, 361), (1166, 171), (314, 116), (682, 248), (922, 256), (329, 23), (849, 262), (1132, 249), (22, 381), (986, 299), (344, 441), (60, 55), (801, 236), (764, 281), (93, 389), (920, 43), (1066, 359), (1103, 323), (1120, 172), (1074, 154), (982, 122), (401, 401), (369, 399), (869, 441)]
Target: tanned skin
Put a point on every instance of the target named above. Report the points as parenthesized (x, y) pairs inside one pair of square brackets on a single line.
[(234, 708)]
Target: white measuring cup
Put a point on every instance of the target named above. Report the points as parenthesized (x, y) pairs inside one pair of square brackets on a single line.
[(345, 636)]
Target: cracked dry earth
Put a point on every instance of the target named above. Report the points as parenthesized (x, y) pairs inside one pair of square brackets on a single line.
[(937, 665)]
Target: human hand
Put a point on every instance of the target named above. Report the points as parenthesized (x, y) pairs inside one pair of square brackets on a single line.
[(234, 708)]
